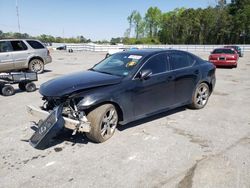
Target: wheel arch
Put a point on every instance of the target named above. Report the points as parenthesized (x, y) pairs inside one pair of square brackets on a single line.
[(116, 105), (210, 85), (36, 57)]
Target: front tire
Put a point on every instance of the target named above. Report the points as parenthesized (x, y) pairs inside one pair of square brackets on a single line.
[(104, 120), (200, 97), (8, 90), (36, 65)]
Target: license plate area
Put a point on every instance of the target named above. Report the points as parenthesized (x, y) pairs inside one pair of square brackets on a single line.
[(47, 129), (222, 58)]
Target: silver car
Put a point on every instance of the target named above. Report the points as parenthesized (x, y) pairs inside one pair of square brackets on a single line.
[(17, 54)]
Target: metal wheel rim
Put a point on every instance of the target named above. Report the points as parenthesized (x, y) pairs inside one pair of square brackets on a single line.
[(8, 91), (36, 65), (202, 95), (109, 122), (31, 87)]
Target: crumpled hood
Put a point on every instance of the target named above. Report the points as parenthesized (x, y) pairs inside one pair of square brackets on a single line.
[(68, 84)]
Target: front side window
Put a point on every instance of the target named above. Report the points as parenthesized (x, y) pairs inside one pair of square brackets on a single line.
[(180, 60), (120, 64), (157, 64), (18, 45), (35, 44), (5, 46)]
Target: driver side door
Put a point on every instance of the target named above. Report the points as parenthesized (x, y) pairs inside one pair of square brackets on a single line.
[(155, 92)]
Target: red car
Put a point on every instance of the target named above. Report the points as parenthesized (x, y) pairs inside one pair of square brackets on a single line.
[(226, 57)]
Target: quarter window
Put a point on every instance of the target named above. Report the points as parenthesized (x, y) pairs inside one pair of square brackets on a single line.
[(179, 60), (5, 46), (34, 44), (157, 64), (18, 45)]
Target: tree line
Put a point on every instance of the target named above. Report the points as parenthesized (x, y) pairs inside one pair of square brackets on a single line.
[(44, 38), (226, 23)]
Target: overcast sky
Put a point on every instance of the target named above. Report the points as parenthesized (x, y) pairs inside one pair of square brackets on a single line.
[(94, 19)]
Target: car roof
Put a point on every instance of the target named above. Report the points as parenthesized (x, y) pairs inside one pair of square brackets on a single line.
[(232, 46), (16, 39), (148, 51), (223, 48)]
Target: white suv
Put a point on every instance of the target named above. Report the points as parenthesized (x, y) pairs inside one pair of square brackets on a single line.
[(17, 54)]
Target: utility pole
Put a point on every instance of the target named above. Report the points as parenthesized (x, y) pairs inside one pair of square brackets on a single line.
[(17, 13)]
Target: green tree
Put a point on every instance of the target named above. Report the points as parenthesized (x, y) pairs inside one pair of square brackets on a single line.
[(152, 19), (137, 20)]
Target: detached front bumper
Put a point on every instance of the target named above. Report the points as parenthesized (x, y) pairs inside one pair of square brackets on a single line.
[(80, 126), (50, 124)]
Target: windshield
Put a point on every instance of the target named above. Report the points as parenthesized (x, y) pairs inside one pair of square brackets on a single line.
[(118, 64)]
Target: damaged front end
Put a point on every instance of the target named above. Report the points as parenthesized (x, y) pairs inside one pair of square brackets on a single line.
[(53, 116)]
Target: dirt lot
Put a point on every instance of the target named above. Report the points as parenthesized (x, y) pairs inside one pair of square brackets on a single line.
[(181, 148)]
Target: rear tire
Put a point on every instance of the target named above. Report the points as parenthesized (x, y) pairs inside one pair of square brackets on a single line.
[(107, 55), (30, 87), (8, 90), (104, 120), (200, 97), (36, 65)]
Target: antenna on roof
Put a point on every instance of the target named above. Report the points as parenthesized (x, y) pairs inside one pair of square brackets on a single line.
[(17, 13)]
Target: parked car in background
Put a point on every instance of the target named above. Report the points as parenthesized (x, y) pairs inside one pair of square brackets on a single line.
[(124, 87), (63, 47), (18, 54), (113, 51), (226, 57), (237, 49)]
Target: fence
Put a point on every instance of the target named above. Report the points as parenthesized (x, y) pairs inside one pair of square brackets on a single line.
[(106, 48)]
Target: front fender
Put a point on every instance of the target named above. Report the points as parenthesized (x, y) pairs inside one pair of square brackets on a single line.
[(94, 99)]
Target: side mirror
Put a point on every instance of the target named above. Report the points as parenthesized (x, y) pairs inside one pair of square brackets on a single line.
[(145, 74)]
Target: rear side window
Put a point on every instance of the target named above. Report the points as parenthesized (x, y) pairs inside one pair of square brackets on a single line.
[(180, 60), (157, 64), (35, 44), (5, 46), (18, 45)]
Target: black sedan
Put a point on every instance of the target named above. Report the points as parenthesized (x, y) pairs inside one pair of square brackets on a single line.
[(122, 88)]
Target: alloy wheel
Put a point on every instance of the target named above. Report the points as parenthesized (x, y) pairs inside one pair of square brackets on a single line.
[(109, 122), (202, 95)]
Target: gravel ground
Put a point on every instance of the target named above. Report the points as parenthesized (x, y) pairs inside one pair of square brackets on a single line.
[(180, 148)]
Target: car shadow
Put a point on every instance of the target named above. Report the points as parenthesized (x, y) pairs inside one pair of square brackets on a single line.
[(150, 118), (222, 67), (46, 71), (65, 135)]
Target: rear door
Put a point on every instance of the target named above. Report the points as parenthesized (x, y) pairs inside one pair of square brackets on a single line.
[(6, 59), (20, 54), (186, 75)]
